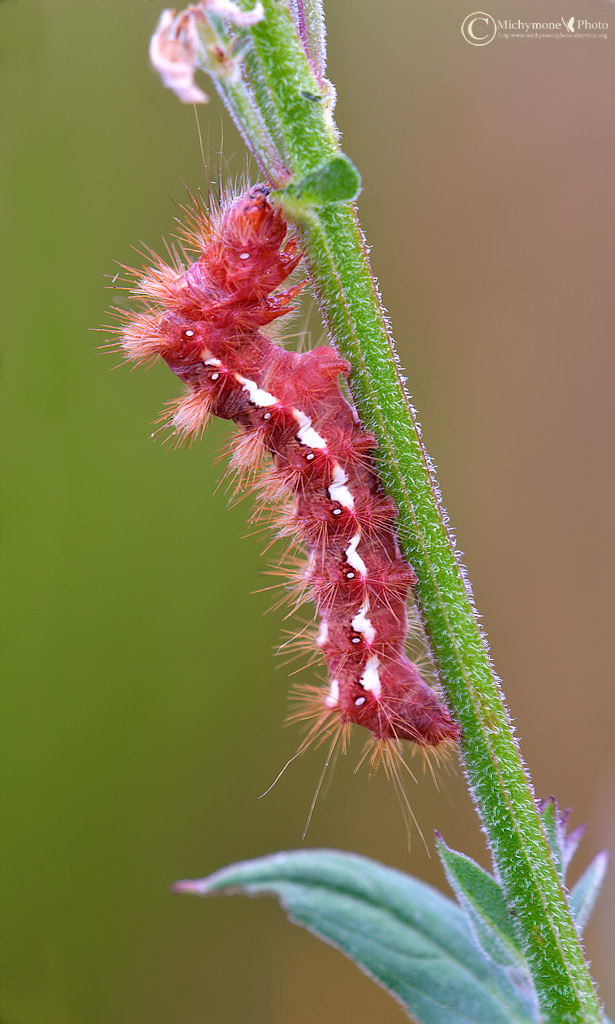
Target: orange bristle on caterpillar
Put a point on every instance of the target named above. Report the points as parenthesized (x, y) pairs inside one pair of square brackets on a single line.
[(205, 320)]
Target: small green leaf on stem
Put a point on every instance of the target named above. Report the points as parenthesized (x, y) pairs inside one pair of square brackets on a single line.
[(336, 180), (482, 898), (563, 844), (550, 817), (584, 894)]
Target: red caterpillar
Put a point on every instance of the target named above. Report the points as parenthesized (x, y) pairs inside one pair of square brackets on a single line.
[(205, 321)]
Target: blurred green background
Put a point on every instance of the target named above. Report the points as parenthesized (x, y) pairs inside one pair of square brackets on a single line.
[(143, 709)]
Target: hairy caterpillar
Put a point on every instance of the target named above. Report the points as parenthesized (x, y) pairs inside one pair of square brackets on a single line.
[(206, 321)]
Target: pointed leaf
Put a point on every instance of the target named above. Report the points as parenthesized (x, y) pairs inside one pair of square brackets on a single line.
[(563, 844), (583, 895), (404, 934), (482, 898), (569, 845), (552, 824)]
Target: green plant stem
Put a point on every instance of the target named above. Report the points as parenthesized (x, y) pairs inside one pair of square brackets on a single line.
[(239, 97), (345, 288)]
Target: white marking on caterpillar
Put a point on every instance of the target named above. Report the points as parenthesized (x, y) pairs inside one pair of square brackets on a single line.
[(212, 362), (353, 557), (359, 702), (361, 623), (338, 490), (323, 633), (256, 395), (333, 696), (307, 435), (370, 680)]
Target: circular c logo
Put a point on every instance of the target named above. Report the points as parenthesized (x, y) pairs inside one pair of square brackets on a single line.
[(479, 28)]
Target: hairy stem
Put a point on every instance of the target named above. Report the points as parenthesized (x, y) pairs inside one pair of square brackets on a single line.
[(295, 117)]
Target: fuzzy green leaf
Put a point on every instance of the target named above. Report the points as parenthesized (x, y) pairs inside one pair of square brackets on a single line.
[(482, 898), (549, 816), (337, 180), (584, 894), (404, 934), (570, 842)]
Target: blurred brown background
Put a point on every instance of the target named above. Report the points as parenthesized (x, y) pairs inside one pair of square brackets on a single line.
[(144, 708)]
